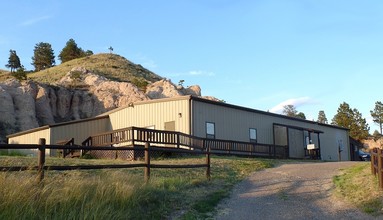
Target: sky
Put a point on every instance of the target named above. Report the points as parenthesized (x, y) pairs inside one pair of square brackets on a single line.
[(260, 54)]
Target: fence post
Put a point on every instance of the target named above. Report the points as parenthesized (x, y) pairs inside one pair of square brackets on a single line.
[(41, 159), (373, 162), (380, 170), (147, 162), (208, 163)]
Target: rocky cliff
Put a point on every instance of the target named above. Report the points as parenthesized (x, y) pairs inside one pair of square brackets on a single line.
[(79, 94)]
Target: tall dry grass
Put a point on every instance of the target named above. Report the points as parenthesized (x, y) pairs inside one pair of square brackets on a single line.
[(120, 194), (79, 195)]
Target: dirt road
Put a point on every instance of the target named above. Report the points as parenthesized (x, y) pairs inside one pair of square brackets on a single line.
[(290, 191)]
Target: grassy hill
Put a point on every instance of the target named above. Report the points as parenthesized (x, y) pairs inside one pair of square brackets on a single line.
[(111, 66), (4, 74)]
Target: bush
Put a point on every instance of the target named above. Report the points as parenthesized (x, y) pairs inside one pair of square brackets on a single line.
[(20, 74)]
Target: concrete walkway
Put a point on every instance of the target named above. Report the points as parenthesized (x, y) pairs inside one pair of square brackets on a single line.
[(297, 190)]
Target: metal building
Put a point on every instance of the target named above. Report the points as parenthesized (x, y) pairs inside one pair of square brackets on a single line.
[(208, 119)]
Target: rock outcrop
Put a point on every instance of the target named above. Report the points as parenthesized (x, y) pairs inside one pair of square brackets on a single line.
[(165, 89), (79, 94)]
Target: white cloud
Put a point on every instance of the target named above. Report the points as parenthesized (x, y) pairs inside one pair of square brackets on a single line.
[(35, 20), (200, 73), (296, 102)]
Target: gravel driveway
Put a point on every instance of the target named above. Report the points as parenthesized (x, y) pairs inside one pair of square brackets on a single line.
[(299, 190)]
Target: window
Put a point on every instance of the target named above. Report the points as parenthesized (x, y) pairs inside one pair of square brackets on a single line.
[(253, 135), (210, 130)]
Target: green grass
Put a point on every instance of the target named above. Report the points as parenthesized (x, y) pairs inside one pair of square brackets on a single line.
[(111, 66), (13, 153), (120, 193), (360, 187)]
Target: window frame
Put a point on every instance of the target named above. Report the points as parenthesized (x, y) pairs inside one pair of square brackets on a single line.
[(252, 140), (209, 135)]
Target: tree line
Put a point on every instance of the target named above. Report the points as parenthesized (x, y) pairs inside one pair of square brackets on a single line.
[(43, 57), (346, 117)]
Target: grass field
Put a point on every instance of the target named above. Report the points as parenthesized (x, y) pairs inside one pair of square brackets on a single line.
[(111, 66), (120, 193), (360, 187)]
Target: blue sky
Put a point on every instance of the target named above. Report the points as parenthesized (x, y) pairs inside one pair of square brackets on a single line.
[(261, 54)]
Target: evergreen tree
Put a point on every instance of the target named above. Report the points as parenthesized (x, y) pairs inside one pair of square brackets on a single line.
[(301, 115), (291, 111), (71, 51), (353, 120), (20, 73), (377, 114), (322, 117), (110, 49), (376, 135), (13, 61), (88, 52), (43, 56)]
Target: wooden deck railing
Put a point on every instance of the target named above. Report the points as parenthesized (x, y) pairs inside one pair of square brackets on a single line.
[(134, 136), (65, 152), (377, 165)]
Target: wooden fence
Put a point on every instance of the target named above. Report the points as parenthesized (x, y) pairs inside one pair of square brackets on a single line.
[(377, 165), (146, 141), (41, 166)]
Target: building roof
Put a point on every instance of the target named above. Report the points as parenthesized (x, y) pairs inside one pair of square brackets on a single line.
[(188, 97), (56, 125), (263, 112)]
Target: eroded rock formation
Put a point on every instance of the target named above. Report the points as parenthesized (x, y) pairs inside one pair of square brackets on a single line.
[(79, 94)]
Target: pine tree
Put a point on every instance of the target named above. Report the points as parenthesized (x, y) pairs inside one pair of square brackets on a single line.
[(291, 111), (301, 115), (110, 49), (322, 117), (88, 52), (13, 61), (377, 114), (20, 73), (43, 56), (71, 51), (353, 120)]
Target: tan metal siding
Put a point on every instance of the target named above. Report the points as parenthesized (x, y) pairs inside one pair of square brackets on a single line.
[(153, 114), (234, 124), (79, 131), (230, 123), (31, 138)]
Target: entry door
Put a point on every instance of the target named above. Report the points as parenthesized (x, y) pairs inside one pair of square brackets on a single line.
[(296, 143)]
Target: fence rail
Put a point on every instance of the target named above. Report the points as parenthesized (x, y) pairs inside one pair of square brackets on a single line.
[(377, 165), (41, 166), (120, 143)]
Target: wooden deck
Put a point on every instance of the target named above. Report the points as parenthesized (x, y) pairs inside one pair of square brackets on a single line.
[(134, 136)]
